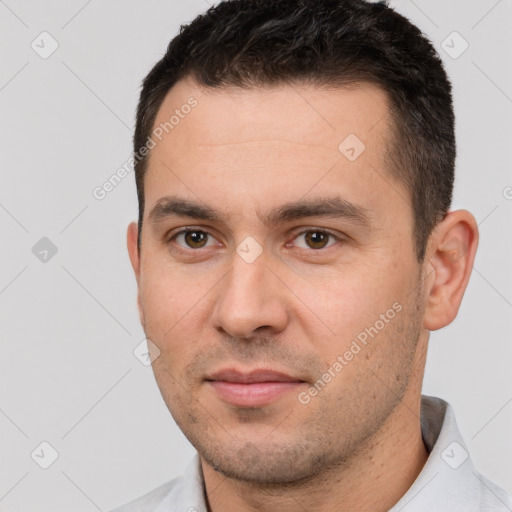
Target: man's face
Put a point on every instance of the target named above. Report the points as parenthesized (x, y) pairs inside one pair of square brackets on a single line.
[(297, 295)]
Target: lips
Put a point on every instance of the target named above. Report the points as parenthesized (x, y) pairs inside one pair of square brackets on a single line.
[(252, 377), (252, 389)]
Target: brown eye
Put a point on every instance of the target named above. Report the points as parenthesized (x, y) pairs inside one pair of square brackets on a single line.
[(316, 239), (193, 238)]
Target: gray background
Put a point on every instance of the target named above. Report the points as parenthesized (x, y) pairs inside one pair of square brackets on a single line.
[(68, 373)]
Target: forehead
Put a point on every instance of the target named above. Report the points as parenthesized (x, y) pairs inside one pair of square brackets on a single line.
[(288, 113), (273, 142)]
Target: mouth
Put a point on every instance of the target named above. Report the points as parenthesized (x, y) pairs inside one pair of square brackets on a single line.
[(252, 389)]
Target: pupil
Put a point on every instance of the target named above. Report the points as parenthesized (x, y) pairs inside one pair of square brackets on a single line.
[(193, 237), (317, 238)]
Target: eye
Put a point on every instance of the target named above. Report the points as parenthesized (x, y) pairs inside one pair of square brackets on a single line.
[(193, 238), (198, 239), (317, 238)]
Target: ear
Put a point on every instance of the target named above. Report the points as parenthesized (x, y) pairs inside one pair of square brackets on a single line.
[(450, 255), (133, 252)]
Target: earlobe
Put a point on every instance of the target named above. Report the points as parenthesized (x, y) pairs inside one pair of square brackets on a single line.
[(451, 256)]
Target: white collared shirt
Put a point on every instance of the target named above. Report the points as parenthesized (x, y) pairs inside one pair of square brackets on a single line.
[(448, 481)]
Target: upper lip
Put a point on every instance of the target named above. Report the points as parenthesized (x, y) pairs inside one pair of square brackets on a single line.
[(232, 375)]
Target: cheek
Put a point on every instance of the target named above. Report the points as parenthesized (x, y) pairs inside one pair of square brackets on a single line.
[(171, 321), (168, 294), (344, 300), (364, 305)]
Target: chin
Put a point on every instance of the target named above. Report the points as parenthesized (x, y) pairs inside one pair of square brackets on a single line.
[(265, 465)]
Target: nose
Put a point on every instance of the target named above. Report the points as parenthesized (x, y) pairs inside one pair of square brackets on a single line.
[(250, 297)]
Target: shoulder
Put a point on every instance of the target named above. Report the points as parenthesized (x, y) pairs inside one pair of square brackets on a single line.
[(184, 493), (150, 501), (492, 497)]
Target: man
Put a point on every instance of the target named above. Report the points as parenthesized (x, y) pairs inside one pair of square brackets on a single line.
[(295, 247)]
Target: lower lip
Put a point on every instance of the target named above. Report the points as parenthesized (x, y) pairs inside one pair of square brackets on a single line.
[(253, 394)]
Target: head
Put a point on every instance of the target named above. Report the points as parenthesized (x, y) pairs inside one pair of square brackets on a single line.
[(294, 201)]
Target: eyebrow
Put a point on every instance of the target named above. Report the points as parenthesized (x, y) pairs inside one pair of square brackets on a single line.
[(327, 207)]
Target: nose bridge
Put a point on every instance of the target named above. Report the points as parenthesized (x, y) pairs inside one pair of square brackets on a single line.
[(249, 297)]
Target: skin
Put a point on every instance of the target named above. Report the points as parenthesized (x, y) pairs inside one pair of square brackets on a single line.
[(357, 444)]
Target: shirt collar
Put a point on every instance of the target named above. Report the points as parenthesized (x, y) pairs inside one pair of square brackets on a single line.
[(447, 480)]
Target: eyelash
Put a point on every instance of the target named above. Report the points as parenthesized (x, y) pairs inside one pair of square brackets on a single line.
[(189, 230)]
